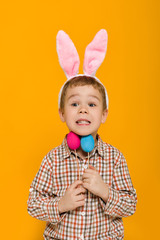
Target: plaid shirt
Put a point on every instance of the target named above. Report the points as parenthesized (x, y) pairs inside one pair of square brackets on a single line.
[(96, 219)]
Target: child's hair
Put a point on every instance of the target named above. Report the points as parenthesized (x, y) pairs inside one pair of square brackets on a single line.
[(83, 81)]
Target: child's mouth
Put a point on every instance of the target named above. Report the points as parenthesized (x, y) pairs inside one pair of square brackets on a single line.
[(83, 122)]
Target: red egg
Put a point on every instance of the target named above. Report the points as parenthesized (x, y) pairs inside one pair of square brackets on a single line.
[(73, 141)]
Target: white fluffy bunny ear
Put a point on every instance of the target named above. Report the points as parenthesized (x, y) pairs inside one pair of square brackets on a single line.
[(95, 53), (68, 55)]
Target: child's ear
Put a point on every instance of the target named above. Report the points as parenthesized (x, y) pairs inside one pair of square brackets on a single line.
[(104, 115), (61, 114)]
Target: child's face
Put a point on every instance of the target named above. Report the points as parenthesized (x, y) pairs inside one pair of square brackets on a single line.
[(83, 110)]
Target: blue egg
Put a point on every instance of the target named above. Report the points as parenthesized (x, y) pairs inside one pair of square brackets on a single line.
[(87, 143)]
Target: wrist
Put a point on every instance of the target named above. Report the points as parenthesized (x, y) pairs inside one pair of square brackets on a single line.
[(60, 207), (105, 193)]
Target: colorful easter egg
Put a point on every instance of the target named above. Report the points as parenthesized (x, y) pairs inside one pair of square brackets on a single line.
[(73, 141), (87, 143)]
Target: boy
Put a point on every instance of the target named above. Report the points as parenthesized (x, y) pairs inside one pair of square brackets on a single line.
[(61, 200), (56, 196)]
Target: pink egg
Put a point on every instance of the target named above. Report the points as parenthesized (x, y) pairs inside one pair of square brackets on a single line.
[(73, 141)]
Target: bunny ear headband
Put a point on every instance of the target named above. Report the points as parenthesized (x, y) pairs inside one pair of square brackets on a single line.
[(69, 59)]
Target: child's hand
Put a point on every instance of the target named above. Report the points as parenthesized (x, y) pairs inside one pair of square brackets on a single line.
[(94, 183), (74, 197)]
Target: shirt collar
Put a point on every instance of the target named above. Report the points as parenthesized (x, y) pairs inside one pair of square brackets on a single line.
[(66, 151), (100, 146)]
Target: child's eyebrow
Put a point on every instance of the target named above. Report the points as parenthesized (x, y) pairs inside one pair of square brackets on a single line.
[(94, 96), (75, 95)]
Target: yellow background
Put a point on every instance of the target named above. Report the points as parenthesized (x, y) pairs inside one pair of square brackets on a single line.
[(30, 80)]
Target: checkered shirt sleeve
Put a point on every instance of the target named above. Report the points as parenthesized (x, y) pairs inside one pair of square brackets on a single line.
[(42, 203), (122, 198)]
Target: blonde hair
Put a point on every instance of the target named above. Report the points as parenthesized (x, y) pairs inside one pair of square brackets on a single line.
[(83, 81)]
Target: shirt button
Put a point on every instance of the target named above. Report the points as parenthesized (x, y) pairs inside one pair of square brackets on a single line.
[(85, 166), (81, 237), (82, 213)]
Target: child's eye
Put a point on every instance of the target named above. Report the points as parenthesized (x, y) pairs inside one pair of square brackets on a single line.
[(74, 104), (92, 104)]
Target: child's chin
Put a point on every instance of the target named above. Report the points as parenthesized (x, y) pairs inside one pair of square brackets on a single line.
[(83, 133)]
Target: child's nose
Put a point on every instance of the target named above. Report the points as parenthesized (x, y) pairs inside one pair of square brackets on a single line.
[(83, 110)]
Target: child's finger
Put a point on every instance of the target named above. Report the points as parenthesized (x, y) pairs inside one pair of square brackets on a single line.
[(86, 185), (75, 184), (80, 197), (80, 190), (86, 175), (80, 203)]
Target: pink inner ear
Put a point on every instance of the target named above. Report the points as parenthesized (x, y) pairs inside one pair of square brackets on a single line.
[(95, 52), (68, 55)]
